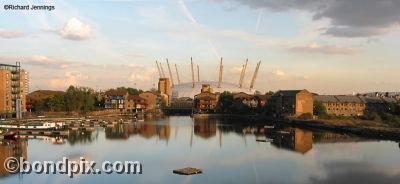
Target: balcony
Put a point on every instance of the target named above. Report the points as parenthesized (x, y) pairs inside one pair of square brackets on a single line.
[(15, 84), (15, 78)]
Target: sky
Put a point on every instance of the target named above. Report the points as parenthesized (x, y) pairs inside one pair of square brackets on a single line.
[(325, 46)]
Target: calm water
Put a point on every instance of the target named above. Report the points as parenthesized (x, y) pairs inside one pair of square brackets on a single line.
[(226, 152)]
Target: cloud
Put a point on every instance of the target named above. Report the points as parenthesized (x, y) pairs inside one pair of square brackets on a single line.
[(74, 29), (348, 18), (142, 74), (280, 74), (70, 78), (357, 172), (324, 49), (39, 60), (9, 34)]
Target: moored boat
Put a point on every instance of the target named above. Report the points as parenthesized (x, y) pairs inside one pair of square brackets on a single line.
[(7, 134), (33, 126)]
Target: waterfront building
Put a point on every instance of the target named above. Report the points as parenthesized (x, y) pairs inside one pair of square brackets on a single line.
[(292, 102), (182, 103), (263, 99), (246, 99), (115, 99), (152, 98), (377, 103), (342, 105), (206, 100), (135, 103), (14, 86), (164, 88)]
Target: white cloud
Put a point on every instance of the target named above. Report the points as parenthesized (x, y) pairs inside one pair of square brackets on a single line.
[(280, 74), (9, 34), (324, 49), (74, 29), (70, 78), (142, 74), (39, 60)]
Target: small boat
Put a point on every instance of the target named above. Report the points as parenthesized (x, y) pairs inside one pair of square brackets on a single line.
[(7, 134), (34, 126)]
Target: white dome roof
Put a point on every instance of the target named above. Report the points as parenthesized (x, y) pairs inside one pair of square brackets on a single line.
[(186, 89)]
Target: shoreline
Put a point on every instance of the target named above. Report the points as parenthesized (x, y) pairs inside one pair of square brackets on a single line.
[(387, 133), (381, 132)]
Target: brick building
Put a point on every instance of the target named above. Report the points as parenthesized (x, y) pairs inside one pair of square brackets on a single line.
[(153, 100), (14, 86), (342, 105), (115, 99), (206, 100), (292, 102)]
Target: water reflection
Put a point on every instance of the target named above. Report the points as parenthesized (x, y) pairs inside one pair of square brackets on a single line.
[(286, 138), (143, 129), (205, 128), (296, 140), (12, 148), (247, 153), (82, 136)]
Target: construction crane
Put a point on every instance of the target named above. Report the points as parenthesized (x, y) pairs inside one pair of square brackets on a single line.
[(191, 60), (243, 74), (177, 74), (220, 74), (170, 74), (253, 80)]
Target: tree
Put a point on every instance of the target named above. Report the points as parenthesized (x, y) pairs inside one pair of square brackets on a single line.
[(79, 99), (134, 91), (319, 108), (225, 102), (56, 103)]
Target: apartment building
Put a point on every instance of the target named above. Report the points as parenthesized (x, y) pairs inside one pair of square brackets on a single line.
[(14, 86), (342, 105), (292, 102)]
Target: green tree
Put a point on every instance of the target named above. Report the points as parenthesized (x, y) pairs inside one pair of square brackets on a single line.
[(319, 108), (225, 102), (56, 103), (134, 91), (79, 99)]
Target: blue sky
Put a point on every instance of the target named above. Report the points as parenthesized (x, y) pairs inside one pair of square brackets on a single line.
[(108, 43)]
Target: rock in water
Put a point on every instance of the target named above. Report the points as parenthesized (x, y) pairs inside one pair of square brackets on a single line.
[(187, 171)]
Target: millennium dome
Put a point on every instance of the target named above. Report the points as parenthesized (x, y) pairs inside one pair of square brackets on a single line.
[(187, 90)]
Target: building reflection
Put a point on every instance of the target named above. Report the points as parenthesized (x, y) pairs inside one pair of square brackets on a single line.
[(294, 139), (205, 128), (12, 148), (288, 138), (57, 140), (144, 129)]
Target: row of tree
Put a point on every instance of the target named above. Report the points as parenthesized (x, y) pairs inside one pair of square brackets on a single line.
[(228, 105), (77, 99)]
